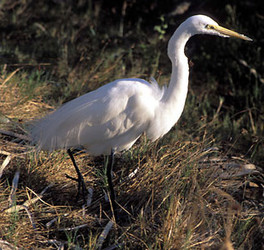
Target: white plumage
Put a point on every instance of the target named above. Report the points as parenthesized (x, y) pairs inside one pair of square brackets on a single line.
[(112, 118)]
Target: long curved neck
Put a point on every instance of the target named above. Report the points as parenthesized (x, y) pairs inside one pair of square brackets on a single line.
[(175, 96)]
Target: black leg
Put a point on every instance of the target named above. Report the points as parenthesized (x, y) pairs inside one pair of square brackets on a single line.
[(80, 180), (109, 169)]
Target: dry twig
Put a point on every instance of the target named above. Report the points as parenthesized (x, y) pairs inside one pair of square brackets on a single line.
[(4, 164), (104, 234)]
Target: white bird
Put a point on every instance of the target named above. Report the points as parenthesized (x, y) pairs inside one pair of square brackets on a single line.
[(111, 118)]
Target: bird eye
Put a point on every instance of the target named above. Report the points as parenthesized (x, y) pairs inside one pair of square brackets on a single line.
[(209, 27)]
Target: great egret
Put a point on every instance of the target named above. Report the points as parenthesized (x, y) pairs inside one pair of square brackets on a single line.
[(111, 118)]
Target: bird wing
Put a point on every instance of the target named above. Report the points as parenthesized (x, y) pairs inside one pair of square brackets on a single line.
[(158, 91), (111, 117)]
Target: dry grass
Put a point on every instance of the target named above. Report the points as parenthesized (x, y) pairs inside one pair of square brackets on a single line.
[(184, 195)]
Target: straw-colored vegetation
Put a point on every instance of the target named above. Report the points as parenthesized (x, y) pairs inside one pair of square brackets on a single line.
[(200, 187)]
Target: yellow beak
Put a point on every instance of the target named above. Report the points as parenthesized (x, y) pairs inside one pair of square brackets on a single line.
[(230, 33)]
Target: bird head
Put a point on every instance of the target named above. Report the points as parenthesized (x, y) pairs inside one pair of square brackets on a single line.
[(200, 24)]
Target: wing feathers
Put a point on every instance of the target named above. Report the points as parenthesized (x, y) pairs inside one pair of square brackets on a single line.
[(113, 116)]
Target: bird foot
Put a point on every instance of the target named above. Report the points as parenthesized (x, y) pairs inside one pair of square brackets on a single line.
[(70, 177), (81, 187)]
